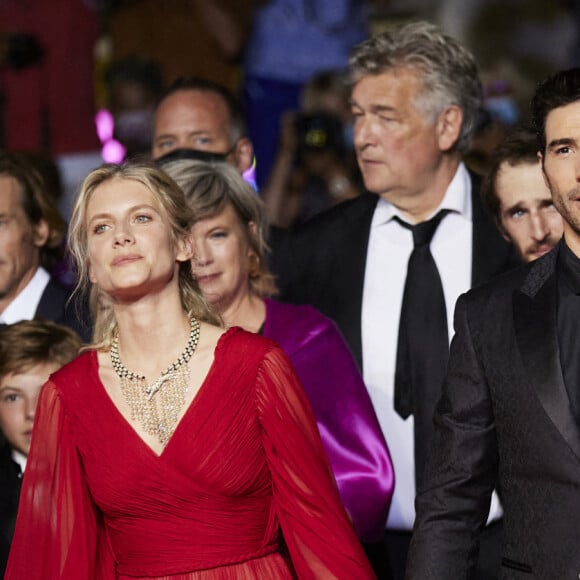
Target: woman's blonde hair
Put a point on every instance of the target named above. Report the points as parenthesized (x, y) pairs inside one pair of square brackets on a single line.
[(209, 188), (179, 217)]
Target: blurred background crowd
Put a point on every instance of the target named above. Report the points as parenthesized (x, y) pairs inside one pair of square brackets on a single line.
[(63, 62), (261, 84)]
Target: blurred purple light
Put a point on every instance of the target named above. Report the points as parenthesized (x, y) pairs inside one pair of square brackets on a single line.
[(250, 175)]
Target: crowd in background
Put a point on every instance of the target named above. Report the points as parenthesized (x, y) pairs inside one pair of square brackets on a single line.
[(278, 144), (58, 67)]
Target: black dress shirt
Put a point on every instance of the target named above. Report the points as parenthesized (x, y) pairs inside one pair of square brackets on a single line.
[(568, 272)]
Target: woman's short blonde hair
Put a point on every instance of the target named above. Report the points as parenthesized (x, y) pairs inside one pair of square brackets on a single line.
[(209, 188), (179, 217)]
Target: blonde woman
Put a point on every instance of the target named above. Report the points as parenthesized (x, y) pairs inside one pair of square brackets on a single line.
[(172, 449)]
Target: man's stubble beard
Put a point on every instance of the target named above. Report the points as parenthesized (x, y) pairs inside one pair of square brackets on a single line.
[(564, 204)]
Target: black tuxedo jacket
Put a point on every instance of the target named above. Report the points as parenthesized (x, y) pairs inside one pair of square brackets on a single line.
[(504, 418), (325, 267), (10, 482), (55, 305)]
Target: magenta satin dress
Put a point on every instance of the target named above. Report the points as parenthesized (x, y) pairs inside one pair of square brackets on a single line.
[(346, 420)]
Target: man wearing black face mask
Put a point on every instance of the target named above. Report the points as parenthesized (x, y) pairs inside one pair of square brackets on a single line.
[(200, 118), (200, 115)]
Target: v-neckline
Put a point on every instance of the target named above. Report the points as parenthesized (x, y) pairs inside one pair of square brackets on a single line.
[(192, 403)]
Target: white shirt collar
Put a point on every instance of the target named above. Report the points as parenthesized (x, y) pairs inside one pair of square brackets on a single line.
[(457, 199), (19, 458), (24, 306)]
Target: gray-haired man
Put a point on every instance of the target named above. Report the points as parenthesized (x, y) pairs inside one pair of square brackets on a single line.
[(390, 288)]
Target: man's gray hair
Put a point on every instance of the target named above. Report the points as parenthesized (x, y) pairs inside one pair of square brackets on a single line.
[(447, 69)]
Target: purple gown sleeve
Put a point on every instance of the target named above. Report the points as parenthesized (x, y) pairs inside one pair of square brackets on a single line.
[(346, 420)]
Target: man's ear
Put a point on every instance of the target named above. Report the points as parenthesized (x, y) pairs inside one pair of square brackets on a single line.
[(184, 249), (449, 127), (244, 154), (40, 233)]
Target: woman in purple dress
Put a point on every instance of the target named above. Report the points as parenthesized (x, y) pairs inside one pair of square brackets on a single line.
[(231, 270)]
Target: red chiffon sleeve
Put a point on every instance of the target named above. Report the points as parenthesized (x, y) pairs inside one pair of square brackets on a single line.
[(58, 531), (320, 538)]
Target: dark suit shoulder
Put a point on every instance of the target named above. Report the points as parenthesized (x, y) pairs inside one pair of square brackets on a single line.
[(58, 304), (506, 282), (526, 277), (337, 218), (345, 227), (320, 252), (53, 300)]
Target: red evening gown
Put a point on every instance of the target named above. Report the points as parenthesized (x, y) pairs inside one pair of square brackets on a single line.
[(245, 462)]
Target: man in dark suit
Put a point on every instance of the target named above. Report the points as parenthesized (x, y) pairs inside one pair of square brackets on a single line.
[(415, 95), (31, 235), (510, 410)]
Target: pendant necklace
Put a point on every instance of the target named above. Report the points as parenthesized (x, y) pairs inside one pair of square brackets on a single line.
[(156, 406)]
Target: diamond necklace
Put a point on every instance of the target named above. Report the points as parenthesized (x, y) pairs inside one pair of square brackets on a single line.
[(156, 406)]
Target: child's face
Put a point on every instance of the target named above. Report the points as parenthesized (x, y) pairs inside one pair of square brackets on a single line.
[(18, 398)]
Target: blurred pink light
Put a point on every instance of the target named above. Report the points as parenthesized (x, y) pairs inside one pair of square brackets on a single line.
[(105, 124), (113, 152)]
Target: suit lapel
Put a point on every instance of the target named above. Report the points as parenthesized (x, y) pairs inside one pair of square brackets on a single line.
[(491, 254), (352, 265), (535, 323)]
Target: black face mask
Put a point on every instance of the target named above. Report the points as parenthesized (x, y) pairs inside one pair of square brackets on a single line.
[(194, 155)]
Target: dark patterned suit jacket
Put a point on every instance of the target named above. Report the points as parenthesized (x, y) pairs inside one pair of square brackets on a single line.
[(505, 414), (325, 266)]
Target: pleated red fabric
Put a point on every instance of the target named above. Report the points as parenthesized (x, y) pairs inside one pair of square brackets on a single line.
[(244, 464)]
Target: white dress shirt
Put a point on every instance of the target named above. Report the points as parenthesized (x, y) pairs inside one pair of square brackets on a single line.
[(24, 306), (20, 459), (389, 248)]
